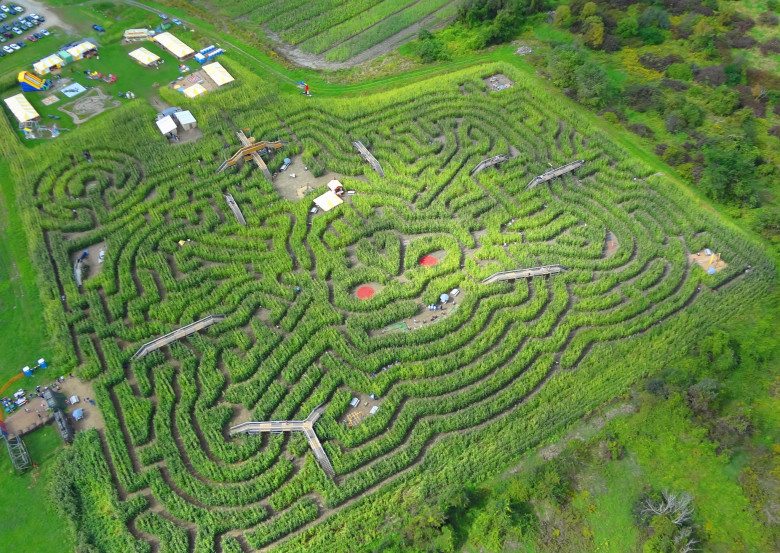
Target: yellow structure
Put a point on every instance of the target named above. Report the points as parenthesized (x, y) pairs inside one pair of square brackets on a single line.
[(218, 74), (174, 45), (21, 108), (144, 56), (195, 91)]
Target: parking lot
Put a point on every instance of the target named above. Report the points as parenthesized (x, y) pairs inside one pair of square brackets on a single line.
[(19, 27)]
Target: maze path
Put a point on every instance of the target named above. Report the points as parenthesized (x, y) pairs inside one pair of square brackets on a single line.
[(295, 334)]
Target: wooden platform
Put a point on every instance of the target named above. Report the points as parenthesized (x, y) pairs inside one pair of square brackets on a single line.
[(177, 334), (525, 273), (235, 209), (553, 173), (489, 162), (368, 157)]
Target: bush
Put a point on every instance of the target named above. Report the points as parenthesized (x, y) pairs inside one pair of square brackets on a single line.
[(651, 35), (679, 71)]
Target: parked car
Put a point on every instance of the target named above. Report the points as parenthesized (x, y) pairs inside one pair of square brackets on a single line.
[(2, 39), (15, 45), (6, 27), (44, 32), (5, 8), (2, 54), (98, 28), (3, 16), (8, 50), (39, 36), (163, 16), (176, 21), (8, 34), (17, 9), (41, 19), (34, 15), (20, 44), (32, 38), (16, 30), (25, 26)]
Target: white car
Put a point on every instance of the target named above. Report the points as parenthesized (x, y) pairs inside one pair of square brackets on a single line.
[(34, 16), (16, 30), (44, 32), (163, 16), (15, 46), (5, 8), (8, 50)]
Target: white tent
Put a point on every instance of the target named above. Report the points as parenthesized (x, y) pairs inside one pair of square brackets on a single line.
[(136, 34), (174, 45), (194, 91), (166, 124), (218, 73), (186, 119), (44, 66), (328, 201), (79, 50), (21, 108), (144, 56)]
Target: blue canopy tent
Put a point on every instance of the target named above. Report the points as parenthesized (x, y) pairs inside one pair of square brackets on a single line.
[(444, 298), (78, 414)]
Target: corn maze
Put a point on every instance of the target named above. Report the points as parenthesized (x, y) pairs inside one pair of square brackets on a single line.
[(535, 353)]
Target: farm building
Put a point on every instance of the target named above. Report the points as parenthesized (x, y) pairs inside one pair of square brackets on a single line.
[(328, 201), (195, 91), (218, 74), (48, 64), (144, 57), (166, 125), (136, 35), (22, 109), (185, 120), (175, 46), (82, 50)]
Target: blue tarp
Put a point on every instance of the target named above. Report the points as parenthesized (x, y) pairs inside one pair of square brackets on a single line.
[(78, 414)]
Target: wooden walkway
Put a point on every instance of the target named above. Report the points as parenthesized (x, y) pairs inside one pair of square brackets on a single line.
[(525, 273), (251, 150), (306, 426), (177, 334), (553, 173), (235, 209), (489, 162), (368, 157)]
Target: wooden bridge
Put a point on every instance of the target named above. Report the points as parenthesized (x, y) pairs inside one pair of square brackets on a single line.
[(235, 209), (557, 172), (177, 334), (251, 150), (363, 151), (525, 273), (306, 426), (489, 162)]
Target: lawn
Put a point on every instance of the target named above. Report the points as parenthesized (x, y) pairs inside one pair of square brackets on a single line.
[(21, 320), (25, 500)]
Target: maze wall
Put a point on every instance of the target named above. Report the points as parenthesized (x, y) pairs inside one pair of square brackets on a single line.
[(296, 335)]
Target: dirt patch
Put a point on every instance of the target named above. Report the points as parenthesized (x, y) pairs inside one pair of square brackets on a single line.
[(610, 244), (92, 261), (708, 260), (497, 82), (296, 188), (423, 318), (52, 15), (23, 422), (92, 103), (368, 290), (356, 415)]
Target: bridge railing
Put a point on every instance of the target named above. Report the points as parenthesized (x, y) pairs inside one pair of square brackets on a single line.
[(177, 334)]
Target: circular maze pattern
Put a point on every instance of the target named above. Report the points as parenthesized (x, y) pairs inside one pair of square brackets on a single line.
[(296, 335)]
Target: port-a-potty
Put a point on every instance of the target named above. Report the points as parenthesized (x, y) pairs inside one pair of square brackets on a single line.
[(27, 371), (42, 363)]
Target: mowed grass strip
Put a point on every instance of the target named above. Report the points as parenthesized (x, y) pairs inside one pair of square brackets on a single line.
[(387, 28), (350, 27)]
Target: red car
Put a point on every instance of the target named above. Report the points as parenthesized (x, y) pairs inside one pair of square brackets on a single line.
[(31, 38)]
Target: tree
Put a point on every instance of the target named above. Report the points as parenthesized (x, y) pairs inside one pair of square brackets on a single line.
[(679, 71), (594, 33), (592, 84), (729, 169), (628, 27), (654, 16), (723, 100), (588, 10), (562, 17), (651, 35), (562, 64)]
